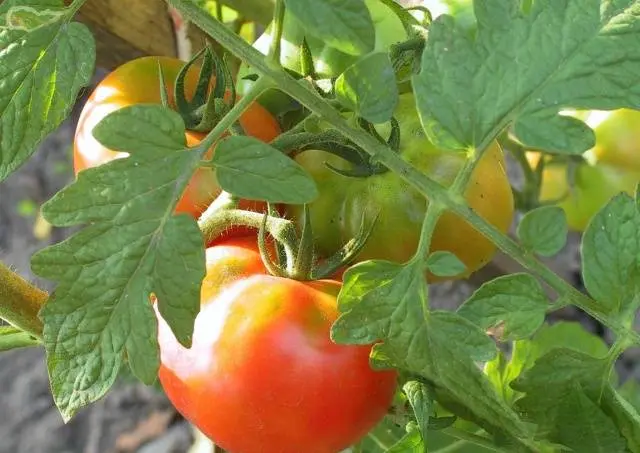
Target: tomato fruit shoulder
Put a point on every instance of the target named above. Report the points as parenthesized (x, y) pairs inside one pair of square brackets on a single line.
[(262, 373), (137, 82)]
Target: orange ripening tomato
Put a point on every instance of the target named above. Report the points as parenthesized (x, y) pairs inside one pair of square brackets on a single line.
[(262, 374), (138, 82)]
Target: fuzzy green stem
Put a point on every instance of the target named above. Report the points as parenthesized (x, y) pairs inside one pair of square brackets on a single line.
[(74, 7), (427, 186), (235, 113), (214, 224), (278, 27), (20, 302)]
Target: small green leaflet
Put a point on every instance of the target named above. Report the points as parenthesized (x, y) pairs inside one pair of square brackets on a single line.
[(132, 245), (38, 87), (26, 18), (544, 230), (611, 258), (515, 302), (630, 390), (411, 443), (343, 24), (445, 264), (251, 169), (569, 395), (386, 301), (13, 338), (421, 401), (369, 88), (524, 67), (569, 335)]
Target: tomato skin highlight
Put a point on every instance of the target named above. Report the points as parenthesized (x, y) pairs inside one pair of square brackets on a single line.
[(262, 374), (336, 215), (137, 82)]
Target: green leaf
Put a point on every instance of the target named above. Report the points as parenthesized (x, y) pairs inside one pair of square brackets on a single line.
[(368, 87), (445, 264), (626, 417), (251, 169), (515, 302), (544, 230), (27, 18), (421, 401), (13, 338), (524, 67), (411, 443), (611, 258), (131, 247), (630, 391), (569, 395), (569, 335), (343, 24), (386, 301), (585, 427), (44, 63), (381, 437)]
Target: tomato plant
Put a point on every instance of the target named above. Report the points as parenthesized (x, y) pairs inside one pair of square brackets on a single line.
[(262, 373), (279, 357), (137, 82), (337, 214)]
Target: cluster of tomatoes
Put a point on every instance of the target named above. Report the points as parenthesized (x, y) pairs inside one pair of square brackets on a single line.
[(262, 374)]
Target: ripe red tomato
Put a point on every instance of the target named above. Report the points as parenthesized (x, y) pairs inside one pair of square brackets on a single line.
[(137, 82), (262, 374)]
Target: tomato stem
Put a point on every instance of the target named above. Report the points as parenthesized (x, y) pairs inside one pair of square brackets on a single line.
[(278, 27), (20, 302)]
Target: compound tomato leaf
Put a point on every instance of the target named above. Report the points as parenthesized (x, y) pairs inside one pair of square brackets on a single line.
[(569, 395), (568, 335), (445, 264), (131, 248), (385, 301), (369, 88), (523, 66), (13, 338), (611, 258), (544, 230), (44, 62), (516, 304), (251, 169), (343, 24)]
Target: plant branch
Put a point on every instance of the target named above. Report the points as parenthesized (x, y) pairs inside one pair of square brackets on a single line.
[(385, 155), (278, 26), (20, 302)]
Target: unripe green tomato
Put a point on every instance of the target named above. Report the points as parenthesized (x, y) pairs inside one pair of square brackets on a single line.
[(337, 213), (617, 139), (593, 187)]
